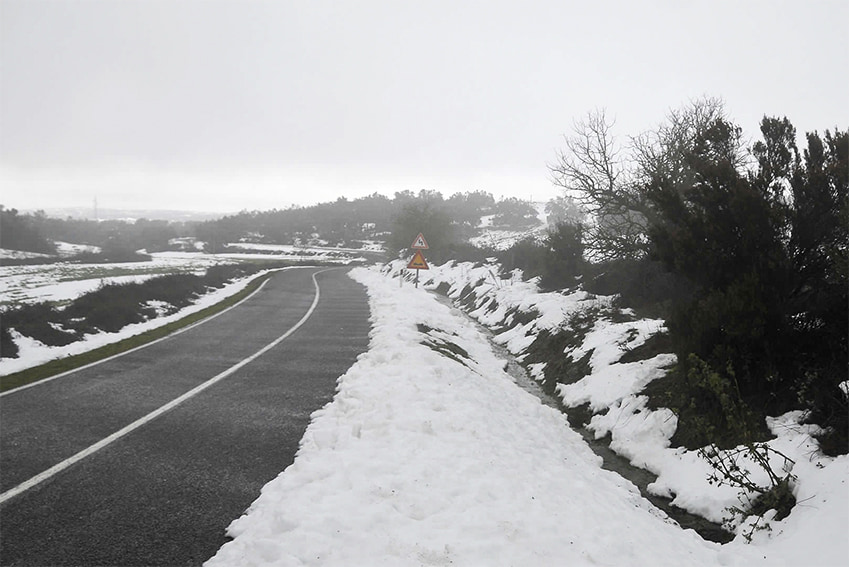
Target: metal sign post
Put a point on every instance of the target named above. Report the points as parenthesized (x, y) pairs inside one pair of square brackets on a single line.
[(418, 262), (420, 243)]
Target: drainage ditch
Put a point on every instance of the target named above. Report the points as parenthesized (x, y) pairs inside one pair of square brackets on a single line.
[(612, 461)]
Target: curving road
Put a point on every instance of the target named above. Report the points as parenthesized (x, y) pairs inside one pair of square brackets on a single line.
[(163, 493)]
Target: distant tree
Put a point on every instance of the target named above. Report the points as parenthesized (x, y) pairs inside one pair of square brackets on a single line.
[(216, 234), (565, 259), (153, 235), (467, 209), (24, 232), (402, 198), (481, 201), (592, 172), (563, 210), (608, 179), (514, 213), (77, 231), (429, 217), (557, 259)]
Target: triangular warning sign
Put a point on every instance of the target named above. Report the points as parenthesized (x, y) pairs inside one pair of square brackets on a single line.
[(420, 243), (418, 262)]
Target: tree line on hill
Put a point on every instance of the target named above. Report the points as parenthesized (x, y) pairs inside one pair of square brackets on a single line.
[(341, 223), (23, 232), (373, 218), (117, 239)]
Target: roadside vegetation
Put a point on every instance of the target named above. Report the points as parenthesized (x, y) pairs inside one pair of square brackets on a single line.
[(66, 364), (111, 307), (742, 250)]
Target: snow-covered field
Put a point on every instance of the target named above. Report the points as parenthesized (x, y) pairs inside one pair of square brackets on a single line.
[(501, 239), (430, 454), (20, 255), (64, 281), (33, 353), (329, 252), (504, 239), (64, 249)]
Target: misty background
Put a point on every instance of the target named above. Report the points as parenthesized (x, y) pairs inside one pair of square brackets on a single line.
[(224, 106)]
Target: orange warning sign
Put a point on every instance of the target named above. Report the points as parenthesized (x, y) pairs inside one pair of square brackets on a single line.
[(420, 243), (418, 262)]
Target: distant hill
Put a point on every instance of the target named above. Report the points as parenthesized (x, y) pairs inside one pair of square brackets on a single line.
[(375, 221), (87, 213)]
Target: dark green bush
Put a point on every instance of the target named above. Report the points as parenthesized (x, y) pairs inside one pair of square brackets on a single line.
[(39, 321), (557, 259), (466, 252), (216, 276), (111, 315), (711, 409), (178, 290), (528, 255), (8, 348), (642, 284)]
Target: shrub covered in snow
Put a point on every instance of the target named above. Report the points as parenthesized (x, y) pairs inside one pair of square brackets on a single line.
[(111, 307)]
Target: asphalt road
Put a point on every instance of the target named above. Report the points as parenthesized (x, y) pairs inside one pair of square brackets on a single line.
[(164, 493)]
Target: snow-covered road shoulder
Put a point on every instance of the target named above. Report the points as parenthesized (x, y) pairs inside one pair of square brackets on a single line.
[(430, 454)]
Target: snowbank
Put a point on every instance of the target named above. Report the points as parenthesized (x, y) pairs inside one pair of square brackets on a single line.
[(430, 454), (612, 390)]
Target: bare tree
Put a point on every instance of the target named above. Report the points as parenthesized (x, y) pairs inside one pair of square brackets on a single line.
[(609, 180), (594, 173), (662, 153)]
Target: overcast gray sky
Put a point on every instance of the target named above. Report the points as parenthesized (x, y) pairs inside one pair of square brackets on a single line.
[(229, 105)]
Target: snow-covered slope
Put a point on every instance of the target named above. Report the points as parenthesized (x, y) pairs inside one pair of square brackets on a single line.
[(502, 239)]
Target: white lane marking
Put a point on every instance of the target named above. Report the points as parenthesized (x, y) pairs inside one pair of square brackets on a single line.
[(134, 349), (26, 485)]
